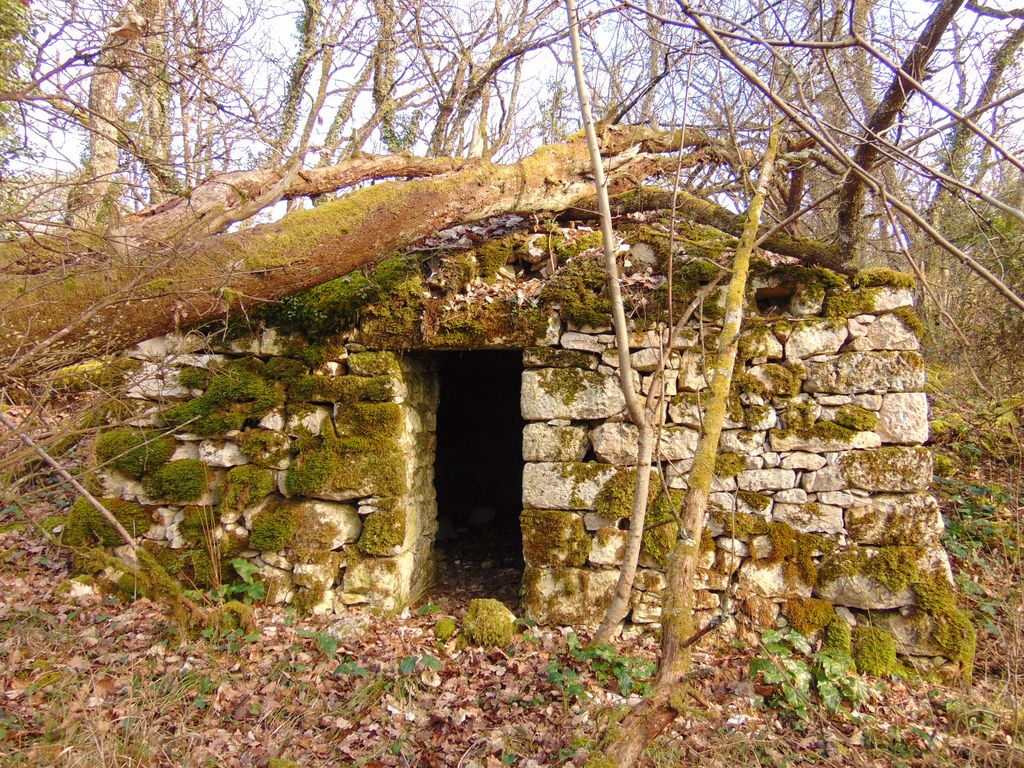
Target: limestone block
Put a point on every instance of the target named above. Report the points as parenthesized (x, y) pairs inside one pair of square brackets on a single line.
[(277, 560), (886, 519), (734, 547), (761, 343), (768, 579), (325, 605), (616, 443), (771, 460), (646, 608), (913, 629), (846, 578), (833, 400), (277, 583), (821, 336), (216, 453), (318, 575), (273, 420), (741, 441), (888, 298), (802, 460), (858, 325), (383, 583), (766, 479), (185, 451), (569, 393), (870, 402), (583, 342), (762, 611), (155, 381), (593, 521), (116, 485), (312, 420), (761, 419), (828, 478), (791, 496), (903, 418), (543, 442), (326, 524), (564, 485), (691, 372), (576, 596), (534, 357), (837, 498), (553, 537), (609, 546), (553, 330), (894, 468), (887, 332), (856, 372), (810, 517), (808, 441)]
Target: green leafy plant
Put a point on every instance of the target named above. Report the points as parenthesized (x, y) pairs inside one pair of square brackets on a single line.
[(249, 590), (797, 678), (631, 674)]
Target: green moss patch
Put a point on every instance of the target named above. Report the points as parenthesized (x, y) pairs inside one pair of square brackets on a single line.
[(874, 652), (578, 289), (809, 615), (134, 452), (729, 464), (880, 277), (856, 418), (615, 499), (182, 480), (273, 529), (86, 527), (445, 628), (661, 527), (553, 537), (244, 486), (383, 532), (236, 394)]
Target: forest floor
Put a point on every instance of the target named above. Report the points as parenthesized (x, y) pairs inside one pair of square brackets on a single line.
[(88, 680)]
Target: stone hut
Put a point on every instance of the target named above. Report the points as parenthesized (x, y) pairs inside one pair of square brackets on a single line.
[(316, 439)]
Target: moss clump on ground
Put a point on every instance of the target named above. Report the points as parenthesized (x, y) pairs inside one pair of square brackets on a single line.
[(244, 486), (235, 394), (874, 652), (182, 480), (856, 418), (729, 464), (578, 288), (838, 637), (273, 529), (488, 624), (615, 499), (553, 537), (134, 452), (881, 277), (445, 628), (86, 527), (383, 532), (661, 527)]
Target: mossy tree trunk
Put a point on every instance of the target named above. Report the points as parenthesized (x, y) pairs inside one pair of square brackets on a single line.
[(626, 742), (69, 299)]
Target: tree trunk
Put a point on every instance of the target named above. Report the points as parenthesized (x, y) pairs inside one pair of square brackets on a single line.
[(653, 715)]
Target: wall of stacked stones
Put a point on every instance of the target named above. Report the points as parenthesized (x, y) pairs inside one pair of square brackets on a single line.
[(822, 470), (316, 465)]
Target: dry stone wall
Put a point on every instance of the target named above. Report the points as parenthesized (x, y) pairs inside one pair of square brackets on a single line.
[(316, 464)]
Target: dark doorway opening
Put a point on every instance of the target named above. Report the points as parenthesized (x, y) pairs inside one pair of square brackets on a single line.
[(478, 474)]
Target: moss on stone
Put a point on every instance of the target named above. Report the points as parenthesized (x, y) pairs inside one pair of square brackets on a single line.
[(496, 253), (263, 447), (197, 525), (809, 615), (874, 652), (826, 431), (244, 486), (895, 568), (565, 383), (181, 480), (881, 277), (795, 550), (871, 468), (310, 472), (661, 527), (445, 628), (759, 502), (286, 369), (951, 628), (306, 599), (851, 303), (273, 529), (237, 393), (553, 537), (838, 637), (615, 499), (729, 464), (375, 364), (911, 320), (856, 418), (383, 532), (134, 452), (86, 527), (488, 624), (578, 289)]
